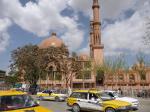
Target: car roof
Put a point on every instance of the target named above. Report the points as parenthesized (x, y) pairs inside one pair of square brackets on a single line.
[(11, 92), (87, 91), (49, 90)]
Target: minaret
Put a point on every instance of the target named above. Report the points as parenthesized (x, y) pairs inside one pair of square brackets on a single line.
[(91, 39), (96, 48)]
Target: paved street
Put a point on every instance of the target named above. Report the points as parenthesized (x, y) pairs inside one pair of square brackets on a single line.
[(56, 106), (62, 107), (144, 105)]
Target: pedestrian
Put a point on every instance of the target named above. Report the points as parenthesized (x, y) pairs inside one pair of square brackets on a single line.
[(120, 92)]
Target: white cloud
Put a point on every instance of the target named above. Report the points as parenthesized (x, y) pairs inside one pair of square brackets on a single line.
[(126, 35), (4, 36), (43, 17), (81, 6), (4, 23), (36, 18), (111, 9), (123, 36), (75, 40), (73, 36)]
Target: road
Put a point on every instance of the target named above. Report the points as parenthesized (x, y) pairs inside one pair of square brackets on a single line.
[(62, 107), (144, 105)]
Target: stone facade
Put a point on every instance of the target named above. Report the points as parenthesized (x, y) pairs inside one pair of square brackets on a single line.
[(122, 79), (131, 79)]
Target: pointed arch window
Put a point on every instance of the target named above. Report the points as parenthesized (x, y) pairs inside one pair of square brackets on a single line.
[(121, 77), (143, 76), (131, 77), (110, 77)]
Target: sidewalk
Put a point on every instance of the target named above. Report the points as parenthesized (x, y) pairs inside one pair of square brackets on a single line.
[(143, 99)]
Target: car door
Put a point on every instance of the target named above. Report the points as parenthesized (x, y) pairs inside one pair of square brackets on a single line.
[(73, 98), (94, 103), (79, 98), (47, 95), (44, 94), (52, 96), (82, 100)]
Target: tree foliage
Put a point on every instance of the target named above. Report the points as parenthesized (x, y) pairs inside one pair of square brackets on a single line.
[(12, 79), (141, 68), (70, 67), (25, 61), (86, 69), (34, 63), (111, 66)]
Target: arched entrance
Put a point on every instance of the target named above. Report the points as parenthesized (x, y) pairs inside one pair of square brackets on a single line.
[(100, 78)]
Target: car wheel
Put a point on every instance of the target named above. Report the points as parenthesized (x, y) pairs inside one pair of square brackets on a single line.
[(76, 108), (57, 99), (40, 98), (110, 110)]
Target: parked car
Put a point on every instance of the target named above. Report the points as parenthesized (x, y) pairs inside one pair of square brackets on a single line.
[(51, 95), (117, 96), (90, 100), (17, 101)]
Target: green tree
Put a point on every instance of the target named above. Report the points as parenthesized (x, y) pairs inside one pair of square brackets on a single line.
[(86, 70), (70, 67), (74, 54), (25, 61), (12, 79), (141, 66), (52, 60), (111, 67), (35, 63)]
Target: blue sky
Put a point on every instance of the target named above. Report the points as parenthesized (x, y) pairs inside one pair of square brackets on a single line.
[(31, 21)]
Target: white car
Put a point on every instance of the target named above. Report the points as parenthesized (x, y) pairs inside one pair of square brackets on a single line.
[(51, 95), (115, 95)]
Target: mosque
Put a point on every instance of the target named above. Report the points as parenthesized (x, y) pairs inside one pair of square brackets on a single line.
[(125, 80)]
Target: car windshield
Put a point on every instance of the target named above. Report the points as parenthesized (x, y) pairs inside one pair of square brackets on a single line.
[(61, 91), (16, 102), (104, 96), (116, 94), (49, 91)]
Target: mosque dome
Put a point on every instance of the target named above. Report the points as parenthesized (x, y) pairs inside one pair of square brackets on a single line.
[(53, 40)]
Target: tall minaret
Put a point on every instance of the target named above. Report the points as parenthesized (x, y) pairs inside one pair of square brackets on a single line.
[(91, 39), (96, 48)]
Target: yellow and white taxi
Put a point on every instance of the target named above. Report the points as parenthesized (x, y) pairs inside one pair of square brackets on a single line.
[(17, 101), (51, 95), (90, 100)]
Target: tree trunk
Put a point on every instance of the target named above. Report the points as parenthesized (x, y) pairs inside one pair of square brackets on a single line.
[(67, 83), (83, 85)]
